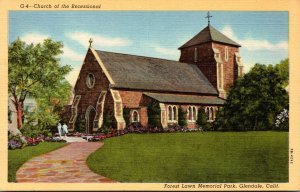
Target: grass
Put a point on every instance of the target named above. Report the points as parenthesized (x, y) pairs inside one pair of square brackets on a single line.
[(17, 157), (194, 157)]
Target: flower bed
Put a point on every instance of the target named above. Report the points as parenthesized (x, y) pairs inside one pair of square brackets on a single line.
[(34, 141), (16, 141), (14, 144), (132, 129)]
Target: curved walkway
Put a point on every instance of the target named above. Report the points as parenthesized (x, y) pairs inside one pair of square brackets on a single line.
[(64, 165)]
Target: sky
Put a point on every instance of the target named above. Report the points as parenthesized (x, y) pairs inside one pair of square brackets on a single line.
[(263, 35)]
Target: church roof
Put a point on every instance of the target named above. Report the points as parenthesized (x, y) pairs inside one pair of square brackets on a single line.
[(209, 34), (188, 99), (147, 73)]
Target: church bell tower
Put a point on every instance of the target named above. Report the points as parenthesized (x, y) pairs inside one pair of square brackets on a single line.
[(216, 55)]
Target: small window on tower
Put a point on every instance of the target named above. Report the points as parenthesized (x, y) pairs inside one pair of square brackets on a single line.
[(226, 53), (195, 54)]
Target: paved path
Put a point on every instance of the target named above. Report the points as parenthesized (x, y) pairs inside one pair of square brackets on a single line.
[(65, 165)]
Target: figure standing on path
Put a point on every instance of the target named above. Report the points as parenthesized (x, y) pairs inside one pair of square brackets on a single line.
[(59, 129), (65, 129)]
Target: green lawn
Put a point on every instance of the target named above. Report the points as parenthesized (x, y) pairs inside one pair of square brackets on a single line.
[(194, 157), (17, 157)]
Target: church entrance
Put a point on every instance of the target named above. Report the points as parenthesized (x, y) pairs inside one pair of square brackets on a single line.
[(89, 117)]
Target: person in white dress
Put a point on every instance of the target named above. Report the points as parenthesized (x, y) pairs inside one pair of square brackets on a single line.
[(65, 129), (59, 129)]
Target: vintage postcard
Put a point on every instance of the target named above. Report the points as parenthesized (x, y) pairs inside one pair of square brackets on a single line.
[(149, 95)]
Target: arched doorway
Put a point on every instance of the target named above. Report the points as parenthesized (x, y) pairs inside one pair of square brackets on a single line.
[(89, 117)]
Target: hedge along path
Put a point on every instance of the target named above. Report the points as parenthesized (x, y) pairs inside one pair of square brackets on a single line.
[(65, 165)]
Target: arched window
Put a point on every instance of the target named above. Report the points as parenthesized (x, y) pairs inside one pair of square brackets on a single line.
[(195, 54), (135, 116), (215, 112), (194, 113), (175, 113), (226, 53), (170, 111), (207, 112), (210, 113), (191, 113)]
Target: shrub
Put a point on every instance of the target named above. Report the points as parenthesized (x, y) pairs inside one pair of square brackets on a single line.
[(202, 120), (182, 121), (33, 131), (107, 122), (218, 123), (153, 112), (208, 127), (126, 115), (16, 141), (80, 125), (39, 123)]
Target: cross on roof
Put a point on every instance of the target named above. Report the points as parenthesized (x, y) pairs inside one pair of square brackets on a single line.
[(208, 16), (91, 41)]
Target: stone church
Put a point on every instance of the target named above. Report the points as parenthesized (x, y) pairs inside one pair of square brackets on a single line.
[(208, 65)]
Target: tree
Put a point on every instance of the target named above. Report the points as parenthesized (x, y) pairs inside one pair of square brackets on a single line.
[(32, 66), (51, 102), (255, 100), (202, 119), (182, 121), (153, 112), (53, 98), (283, 71)]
